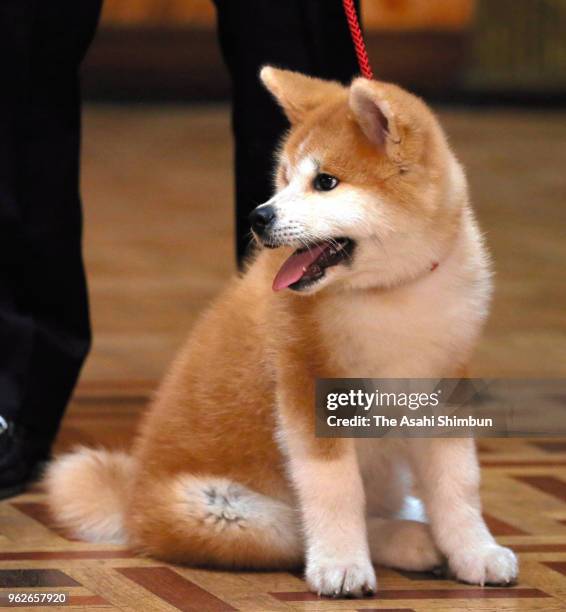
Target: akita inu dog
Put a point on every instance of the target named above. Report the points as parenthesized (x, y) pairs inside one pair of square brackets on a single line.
[(379, 270)]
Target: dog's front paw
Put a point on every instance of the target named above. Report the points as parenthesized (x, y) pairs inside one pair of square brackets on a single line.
[(487, 564), (341, 579)]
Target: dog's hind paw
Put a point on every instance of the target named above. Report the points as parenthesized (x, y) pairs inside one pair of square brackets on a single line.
[(405, 545)]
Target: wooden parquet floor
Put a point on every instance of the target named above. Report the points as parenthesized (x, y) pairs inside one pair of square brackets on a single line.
[(158, 246), (524, 492)]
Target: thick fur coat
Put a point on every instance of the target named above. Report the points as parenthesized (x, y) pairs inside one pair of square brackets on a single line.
[(226, 470)]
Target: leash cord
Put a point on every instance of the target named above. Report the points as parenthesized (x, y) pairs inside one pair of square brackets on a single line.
[(357, 38)]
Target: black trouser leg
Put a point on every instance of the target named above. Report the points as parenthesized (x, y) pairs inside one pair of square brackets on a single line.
[(309, 36), (44, 333)]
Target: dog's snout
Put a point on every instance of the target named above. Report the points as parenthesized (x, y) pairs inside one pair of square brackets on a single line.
[(261, 218)]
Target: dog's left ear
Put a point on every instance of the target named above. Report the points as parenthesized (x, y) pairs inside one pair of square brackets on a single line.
[(375, 115), (297, 93)]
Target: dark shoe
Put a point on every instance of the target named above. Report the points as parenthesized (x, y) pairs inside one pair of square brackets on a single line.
[(21, 459)]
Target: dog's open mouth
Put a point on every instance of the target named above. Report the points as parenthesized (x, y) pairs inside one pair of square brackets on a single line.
[(308, 265)]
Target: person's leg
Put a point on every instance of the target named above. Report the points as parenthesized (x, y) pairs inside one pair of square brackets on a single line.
[(15, 324), (309, 36), (44, 333)]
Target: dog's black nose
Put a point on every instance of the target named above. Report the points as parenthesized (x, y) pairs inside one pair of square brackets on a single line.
[(261, 217)]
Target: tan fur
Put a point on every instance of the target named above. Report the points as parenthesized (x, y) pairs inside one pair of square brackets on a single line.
[(87, 490), (227, 470)]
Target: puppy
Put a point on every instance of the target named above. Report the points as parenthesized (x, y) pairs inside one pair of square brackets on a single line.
[(375, 268)]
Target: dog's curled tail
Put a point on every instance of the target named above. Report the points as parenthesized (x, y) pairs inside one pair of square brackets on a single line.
[(87, 493)]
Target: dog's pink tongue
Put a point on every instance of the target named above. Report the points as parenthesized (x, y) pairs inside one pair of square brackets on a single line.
[(295, 266)]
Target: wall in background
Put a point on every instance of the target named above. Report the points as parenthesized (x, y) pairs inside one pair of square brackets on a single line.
[(519, 46), (377, 14), (150, 13), (471, 50), (167, 49)]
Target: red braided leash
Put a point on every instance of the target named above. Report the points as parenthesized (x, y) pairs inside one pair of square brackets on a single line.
[(358, 38)]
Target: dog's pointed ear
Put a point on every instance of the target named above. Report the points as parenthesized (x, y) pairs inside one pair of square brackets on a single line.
[(297, 93), (374, 114)]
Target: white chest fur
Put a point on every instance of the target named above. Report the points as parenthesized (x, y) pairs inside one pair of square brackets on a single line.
[(424, 328)]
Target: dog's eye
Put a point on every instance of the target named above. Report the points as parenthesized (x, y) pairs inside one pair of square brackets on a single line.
[(324, 182)]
